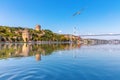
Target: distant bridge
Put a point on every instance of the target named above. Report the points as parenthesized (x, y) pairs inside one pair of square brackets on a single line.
[(110, 34)]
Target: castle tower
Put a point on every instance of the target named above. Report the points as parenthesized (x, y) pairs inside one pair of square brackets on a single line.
[(38, 28), (25, 35)]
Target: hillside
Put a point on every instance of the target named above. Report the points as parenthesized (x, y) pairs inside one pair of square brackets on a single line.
[(15, 34)]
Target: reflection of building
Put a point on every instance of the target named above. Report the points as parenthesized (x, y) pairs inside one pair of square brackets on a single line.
[(38, 57), (38, 28), (25, 35), (25, 50)]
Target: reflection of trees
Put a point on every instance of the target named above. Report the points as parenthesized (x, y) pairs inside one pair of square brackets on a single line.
[(23, 50), (8, 50)]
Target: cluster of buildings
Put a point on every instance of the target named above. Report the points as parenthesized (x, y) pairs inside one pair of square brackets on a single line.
[(25, 34)]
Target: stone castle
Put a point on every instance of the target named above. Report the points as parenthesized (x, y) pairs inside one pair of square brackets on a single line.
[(25, 33), (38, 28)]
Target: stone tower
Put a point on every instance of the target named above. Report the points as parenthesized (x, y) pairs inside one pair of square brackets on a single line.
[(38, 28), (25, 35)]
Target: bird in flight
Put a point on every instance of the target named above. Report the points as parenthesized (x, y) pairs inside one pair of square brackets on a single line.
[(78, 12)]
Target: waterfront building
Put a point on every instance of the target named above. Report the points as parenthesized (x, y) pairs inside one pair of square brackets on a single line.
[(25, 35)]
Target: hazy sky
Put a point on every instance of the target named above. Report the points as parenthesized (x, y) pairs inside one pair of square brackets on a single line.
[(99, 16)]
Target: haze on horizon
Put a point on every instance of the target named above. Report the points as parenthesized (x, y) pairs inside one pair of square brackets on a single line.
[(99, 16)]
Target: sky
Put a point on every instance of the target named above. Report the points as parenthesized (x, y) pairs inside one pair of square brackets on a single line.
[(98, 16)]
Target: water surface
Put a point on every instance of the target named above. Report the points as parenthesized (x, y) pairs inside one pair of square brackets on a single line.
[(59, 62)]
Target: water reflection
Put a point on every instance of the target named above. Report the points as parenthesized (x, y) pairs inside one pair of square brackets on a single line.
[(38, 50), (38, 57), (66, 62), (25, 50)]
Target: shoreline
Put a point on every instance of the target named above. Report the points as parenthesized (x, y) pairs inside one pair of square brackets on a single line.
[(40, 42)]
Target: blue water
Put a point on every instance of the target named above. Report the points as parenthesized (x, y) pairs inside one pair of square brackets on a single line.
[(100, 62)]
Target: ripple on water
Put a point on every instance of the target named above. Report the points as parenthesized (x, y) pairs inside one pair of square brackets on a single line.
[(28, 77), (57, 70), (61, 71)]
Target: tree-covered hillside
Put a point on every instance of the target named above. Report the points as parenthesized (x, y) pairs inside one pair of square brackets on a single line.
[(14, 34)]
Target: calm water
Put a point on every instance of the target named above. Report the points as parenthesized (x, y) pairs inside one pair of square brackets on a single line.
[(59, 62)]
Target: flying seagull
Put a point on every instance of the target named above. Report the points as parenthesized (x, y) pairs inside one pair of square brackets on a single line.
[(78, 12)]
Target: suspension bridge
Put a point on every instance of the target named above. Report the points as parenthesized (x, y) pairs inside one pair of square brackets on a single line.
[(110, 34)]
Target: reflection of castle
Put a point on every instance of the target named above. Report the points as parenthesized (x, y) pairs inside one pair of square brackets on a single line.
[(25, 50), (38, 57)]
